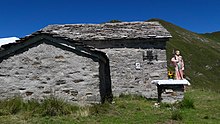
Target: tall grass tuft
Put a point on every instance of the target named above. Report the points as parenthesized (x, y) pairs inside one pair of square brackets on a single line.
[(50, 106), (11, 106), (53, 106), (32, 105), (176, 115), (187, 103)]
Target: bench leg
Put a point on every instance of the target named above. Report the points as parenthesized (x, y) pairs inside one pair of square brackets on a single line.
[(159, 91)]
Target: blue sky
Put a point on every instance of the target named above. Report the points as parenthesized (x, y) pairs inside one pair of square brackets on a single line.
[(23, 17)]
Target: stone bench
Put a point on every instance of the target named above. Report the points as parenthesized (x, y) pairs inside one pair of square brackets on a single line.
[(175, 85)]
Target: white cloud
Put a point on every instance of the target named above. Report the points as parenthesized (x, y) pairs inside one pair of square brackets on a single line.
[(8, 40)]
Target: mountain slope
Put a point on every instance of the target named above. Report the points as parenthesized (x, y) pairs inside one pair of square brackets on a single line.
[(201, 55)]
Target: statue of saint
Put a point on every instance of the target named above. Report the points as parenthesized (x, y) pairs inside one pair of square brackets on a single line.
[(178, 62)]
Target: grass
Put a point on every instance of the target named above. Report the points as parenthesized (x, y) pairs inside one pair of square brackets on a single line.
[(199, 106)]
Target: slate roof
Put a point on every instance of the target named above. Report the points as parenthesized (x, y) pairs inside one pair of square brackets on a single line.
[(108, 31)]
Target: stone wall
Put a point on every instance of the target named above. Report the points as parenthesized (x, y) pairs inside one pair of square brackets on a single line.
[(129, 79), (46, 70), (124, 58)]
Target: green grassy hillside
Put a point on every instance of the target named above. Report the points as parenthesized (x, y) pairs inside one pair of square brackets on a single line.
[(201, 54)]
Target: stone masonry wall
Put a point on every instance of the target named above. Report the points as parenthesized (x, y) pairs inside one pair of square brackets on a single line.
[(128, 79), (45, 70), (124, 55)]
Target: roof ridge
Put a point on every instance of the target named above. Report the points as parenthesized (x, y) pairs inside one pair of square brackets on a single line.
[(132, 22), (121, 30)]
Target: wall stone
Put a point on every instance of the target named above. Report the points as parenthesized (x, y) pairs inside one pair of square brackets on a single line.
[(46, 70)]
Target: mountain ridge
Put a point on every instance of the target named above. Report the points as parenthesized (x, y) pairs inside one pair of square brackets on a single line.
[(213, 35)]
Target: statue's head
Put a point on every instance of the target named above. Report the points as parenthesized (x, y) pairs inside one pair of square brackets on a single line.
[(177, 52)]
